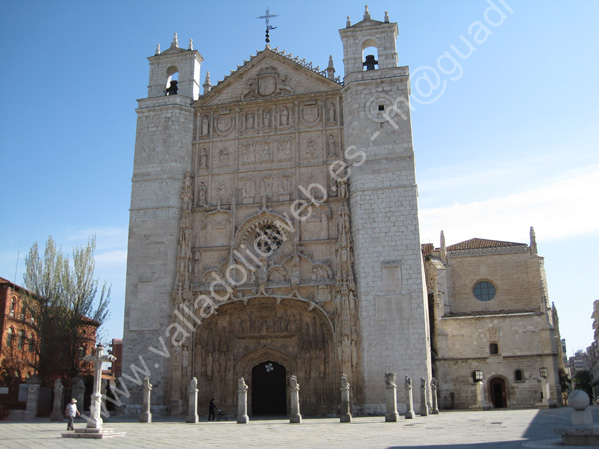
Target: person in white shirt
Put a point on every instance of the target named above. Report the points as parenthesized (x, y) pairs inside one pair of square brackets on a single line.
[(71, 412)]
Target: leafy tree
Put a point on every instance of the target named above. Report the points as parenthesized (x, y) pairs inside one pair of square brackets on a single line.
[(583, 382), (63, 297)]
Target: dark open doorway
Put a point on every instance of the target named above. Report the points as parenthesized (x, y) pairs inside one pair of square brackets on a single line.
[(498, 392), (269, 392)]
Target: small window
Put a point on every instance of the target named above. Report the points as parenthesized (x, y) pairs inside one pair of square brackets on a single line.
[(494, 348), (484, 291), (9, 337), (477, 376), (13, 304), (518, 375), (31, 343), (381, 107), (21, 342)]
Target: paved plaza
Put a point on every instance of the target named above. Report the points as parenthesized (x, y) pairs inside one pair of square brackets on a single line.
[(452, 429)]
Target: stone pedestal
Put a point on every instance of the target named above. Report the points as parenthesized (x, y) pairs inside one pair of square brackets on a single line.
[(582, 431), (547, 401), (57, 414), (345, 414), (242, 402), (435, 410), (410, 400), (33, 397), (391, 397), (192, 414), (295, 417), (423, 400), (146, 415)]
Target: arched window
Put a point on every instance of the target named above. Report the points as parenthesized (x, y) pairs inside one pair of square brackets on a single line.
[(13, 305), (22, 313), (21, 342), (9, 337), (518, 375)]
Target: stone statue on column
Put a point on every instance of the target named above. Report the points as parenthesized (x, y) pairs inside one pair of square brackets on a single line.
[(423, 399), (345, 415), (57, 406), (192, 415), (242, 402), (391, 397), (410, 413), (295, 417), (146, 415)]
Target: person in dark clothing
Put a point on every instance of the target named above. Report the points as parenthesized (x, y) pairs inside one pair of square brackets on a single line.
[(211, 410)]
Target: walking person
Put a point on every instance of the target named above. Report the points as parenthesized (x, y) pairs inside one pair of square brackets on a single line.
[(211, 410), (71, 412)]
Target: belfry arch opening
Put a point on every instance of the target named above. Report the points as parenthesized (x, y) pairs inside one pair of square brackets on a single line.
[(172, 80), (370, 56)]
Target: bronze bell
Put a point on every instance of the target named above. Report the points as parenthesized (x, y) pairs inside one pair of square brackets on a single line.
[(370, 62)]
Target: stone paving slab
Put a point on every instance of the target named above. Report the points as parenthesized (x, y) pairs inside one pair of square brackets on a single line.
[(452, 429)]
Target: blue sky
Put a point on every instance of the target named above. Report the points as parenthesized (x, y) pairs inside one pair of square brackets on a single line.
[(509, 140)]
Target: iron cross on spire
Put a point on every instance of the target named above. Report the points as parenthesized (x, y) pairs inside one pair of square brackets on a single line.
[(267, 16)]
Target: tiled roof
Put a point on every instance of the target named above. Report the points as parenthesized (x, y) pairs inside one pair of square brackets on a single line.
[(477, 243)]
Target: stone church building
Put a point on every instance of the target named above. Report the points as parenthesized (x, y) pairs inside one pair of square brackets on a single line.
[(274, 232)]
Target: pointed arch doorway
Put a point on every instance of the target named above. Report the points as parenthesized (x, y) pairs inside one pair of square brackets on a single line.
[(269, 392)]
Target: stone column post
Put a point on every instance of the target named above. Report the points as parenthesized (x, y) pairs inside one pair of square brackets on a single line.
[(423, 400), (57, 414), (410, 413), (192, 414), (33, 396), (146, 415), (435, 410), (242, 402), (391, 396), (295, 417), (345, 415)]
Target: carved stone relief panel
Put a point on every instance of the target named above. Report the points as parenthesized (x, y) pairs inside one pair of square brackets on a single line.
[(218, 229), (310, 112), (201, 189), (261, 151), (224, 155), (222, 188), (225, 121), (311, 147)]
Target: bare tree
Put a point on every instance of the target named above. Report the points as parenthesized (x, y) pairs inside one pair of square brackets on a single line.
[(63, 301)]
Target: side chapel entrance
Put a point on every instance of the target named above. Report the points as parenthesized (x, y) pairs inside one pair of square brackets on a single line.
[(269, 392)]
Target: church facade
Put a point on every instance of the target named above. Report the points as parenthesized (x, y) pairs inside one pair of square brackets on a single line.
[(274, 231)]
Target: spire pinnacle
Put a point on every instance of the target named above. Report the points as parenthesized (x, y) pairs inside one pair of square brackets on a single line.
[(157, 49), (348, 22), (331, 69), (443, 249), (175, 43), (533, 242), (386, 17), (366, 13), (207, 86), (190, 44)]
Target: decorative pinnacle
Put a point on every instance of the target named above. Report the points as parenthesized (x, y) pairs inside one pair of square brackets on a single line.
[(348, 22), (366, 13), (157, 49), (190, 44), (386, 17), (175, 43)]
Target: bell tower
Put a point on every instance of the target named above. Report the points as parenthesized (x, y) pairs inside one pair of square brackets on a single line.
[(392, 299), (163, 153)]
